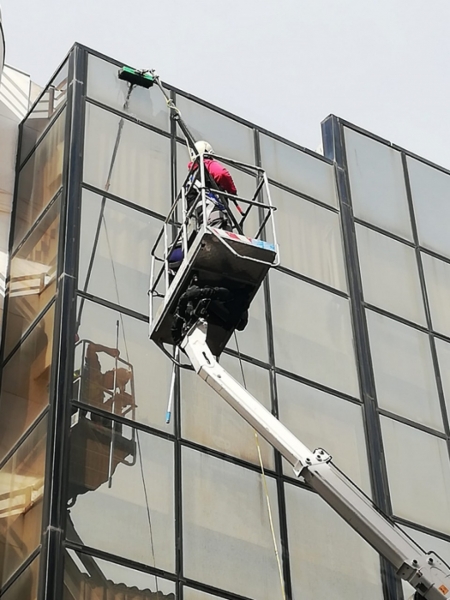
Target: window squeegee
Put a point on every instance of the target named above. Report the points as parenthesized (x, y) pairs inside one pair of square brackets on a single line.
[(135, 77)]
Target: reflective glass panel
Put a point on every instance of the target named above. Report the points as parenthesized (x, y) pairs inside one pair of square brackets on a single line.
[(25, 587), (21, 493), (313, 333), (403, 369), (226, 531), (390, 275), (137, 169), (321, 420), (227, 137), (104, 85), (207, 419), (443, 352), (48, 104), (139, 502), (115, 251), (88, 577), (408, 451), (191, 594), (430, 189), (32, 278), (310, 239), (26, 382), (324, 551), (143, 372), (377, 183), (40, 178), (437, 278), (253, 340), (298, 170), (428, 543)]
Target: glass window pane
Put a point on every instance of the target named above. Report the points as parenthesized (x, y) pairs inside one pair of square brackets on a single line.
[(32, 278), (21, 492), (93, 578), (26, 382), (324, 551), (430, 189), (443, 352), (253, 340), (390, 275), (298, 170), (313, 334), (49, 103), (140, 500), (143, 373), (437, 278), (226, 531), (40, 178), (377, 184), (424, 499), (207, 419), (228, 138), (141, 168), (104, 85), (404, 374), (191, 594), (120, 269), (310, 239), (25, 587), (321, 420)]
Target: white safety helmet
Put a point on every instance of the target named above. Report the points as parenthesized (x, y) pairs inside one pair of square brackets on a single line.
[(201, 148)]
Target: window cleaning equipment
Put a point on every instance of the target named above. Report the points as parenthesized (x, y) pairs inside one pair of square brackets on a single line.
[(142, 78)]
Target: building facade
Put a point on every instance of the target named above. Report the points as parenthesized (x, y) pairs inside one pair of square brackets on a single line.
[(347, 344)]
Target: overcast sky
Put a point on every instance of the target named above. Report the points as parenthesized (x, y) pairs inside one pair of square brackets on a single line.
[(283, 64)]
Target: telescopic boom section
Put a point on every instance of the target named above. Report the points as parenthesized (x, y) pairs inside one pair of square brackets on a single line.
[(426, 572)]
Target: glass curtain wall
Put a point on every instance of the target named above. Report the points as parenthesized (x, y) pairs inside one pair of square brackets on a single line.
[(27, 342), (186, 502)]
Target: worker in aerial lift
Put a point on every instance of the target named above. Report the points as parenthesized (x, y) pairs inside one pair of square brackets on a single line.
[(96, 384), (216, 206)]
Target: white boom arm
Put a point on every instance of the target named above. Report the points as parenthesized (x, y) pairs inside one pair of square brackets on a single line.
[(429, 575)]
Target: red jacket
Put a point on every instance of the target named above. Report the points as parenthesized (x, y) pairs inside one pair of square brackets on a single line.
[(220, 175)]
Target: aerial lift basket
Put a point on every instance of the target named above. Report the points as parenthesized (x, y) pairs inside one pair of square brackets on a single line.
[(233, 260)]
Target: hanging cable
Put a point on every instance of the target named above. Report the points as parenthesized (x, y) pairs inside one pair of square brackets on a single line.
[(266, 489)]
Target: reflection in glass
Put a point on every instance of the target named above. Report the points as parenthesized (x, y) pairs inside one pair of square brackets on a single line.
[(143, 376), (437, 278), (321, 420), (207, 419), (21, 493), (123, 477), (324, 551), (253, 340), (141, 168), (40, 178), (313, 333), (227, 137), (49, 103), (403, 369), (385, 260), (226, 531), (88, 577), (310, 238), (377, 183), (32, 278), (430, 189), (120, 255), (25, 587), (103, 84), (298, 170), (424, 499), (26, 382)]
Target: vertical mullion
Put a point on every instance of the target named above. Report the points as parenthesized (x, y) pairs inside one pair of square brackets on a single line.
[(56, 476), (334, 148)]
